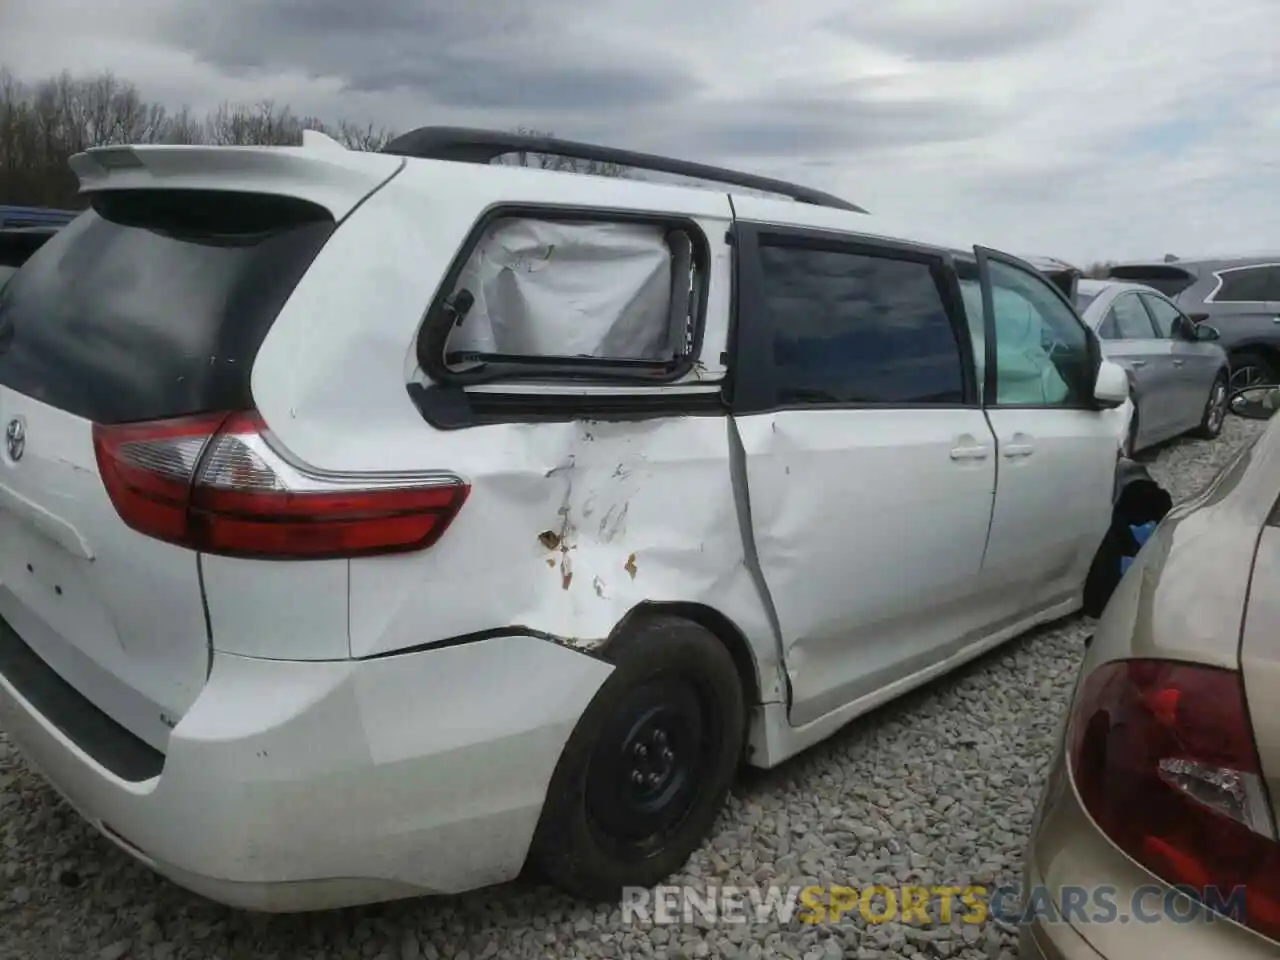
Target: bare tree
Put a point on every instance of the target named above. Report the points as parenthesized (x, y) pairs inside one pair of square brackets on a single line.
[(548, 161), (45, 123)]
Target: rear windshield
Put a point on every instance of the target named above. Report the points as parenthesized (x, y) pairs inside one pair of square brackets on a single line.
[(1170, 281), (154, 303), (18, 246)]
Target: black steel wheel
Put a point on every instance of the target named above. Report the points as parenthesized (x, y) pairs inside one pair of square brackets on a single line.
[(649, 764)]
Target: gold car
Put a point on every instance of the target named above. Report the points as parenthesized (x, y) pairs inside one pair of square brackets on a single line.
[(1156, 833)]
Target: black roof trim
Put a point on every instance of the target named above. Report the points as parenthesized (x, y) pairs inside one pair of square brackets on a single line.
[(469, 145)]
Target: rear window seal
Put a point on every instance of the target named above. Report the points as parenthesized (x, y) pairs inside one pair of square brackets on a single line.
[(453, 408), (436, 325)]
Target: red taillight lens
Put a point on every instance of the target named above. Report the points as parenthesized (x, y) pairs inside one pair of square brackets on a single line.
[(1163, 757), (210, 483)]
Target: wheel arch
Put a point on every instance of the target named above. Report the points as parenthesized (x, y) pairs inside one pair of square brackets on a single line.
[(714, 622), (1136, 498)]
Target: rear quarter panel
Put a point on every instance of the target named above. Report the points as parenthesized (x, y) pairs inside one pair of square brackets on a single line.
[(568, 525)]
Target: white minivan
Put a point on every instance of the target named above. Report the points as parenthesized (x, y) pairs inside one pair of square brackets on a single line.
[(376, 524)]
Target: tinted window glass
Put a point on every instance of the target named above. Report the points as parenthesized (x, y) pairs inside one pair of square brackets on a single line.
[(1107, 328), (859, 329), (1248, 285), (1170, 281), (1165, 314), (1042, 350), (154, 304), (1132, 321)]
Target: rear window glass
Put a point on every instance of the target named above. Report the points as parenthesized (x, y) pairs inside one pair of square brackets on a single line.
[(1248, 285), (17, 246), (564, 294), (154, 303), (1170, 281)]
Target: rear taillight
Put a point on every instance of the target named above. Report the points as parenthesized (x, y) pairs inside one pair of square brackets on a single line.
[(214, 484), (1163, 757)]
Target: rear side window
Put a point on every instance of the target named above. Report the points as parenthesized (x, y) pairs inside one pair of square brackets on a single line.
[(537, 296), (1165, 315), (1131, 321), (853, 328), (1170, 281), (1249, 285), (154, 303)]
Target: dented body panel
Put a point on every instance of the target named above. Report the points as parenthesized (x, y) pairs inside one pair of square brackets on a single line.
[(569, 525), (871, 551), (576, 524)]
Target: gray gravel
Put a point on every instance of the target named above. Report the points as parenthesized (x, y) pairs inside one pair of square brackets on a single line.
[(938, 788)]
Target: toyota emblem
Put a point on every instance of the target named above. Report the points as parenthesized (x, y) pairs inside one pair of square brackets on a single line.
[(15, 439)]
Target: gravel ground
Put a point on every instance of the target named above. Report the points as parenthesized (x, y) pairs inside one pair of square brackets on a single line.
[(938, 788)]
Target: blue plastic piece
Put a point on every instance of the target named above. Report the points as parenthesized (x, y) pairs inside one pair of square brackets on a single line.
[(1143, 532)]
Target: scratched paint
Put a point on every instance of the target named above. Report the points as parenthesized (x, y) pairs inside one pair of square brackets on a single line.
[(566, 532)]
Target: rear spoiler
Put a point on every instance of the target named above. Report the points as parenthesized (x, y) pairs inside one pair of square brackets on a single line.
[(320, 171)]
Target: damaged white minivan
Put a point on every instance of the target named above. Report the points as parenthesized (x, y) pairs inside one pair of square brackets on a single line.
[(380, 524)]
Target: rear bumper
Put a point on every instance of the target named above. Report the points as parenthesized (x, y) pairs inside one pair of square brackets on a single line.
[(299, 786), (1130, 915)]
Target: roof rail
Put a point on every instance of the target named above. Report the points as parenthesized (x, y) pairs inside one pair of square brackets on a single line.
[(470, 145)]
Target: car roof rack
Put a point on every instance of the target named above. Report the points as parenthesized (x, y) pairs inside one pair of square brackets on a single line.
[(468, 145)]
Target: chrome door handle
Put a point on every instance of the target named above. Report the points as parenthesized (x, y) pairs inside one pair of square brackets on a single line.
[(969, 453), (1275, 319), (1179, 363), (1139, 363), (1019, 450)]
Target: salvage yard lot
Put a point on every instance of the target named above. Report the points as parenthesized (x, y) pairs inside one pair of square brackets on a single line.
[(938, 788)]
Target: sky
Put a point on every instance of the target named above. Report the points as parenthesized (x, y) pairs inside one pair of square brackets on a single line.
[(1084, 129)]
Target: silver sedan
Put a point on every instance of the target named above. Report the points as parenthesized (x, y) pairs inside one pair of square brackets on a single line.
[(1178, 373)]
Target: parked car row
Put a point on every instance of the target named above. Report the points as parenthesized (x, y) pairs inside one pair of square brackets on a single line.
[(1178, 372), (378, 524), (1240, 296)]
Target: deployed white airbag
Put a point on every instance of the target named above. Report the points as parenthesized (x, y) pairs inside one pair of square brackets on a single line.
[(572, 289)]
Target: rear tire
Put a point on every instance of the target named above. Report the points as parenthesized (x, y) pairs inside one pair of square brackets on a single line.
[(1215, 410), (648, 766), (1250, 368), (1131, 438)]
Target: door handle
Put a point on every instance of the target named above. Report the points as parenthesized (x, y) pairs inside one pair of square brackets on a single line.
[(1179, 363), (1139, 363), (969, 453), (1019, 450)]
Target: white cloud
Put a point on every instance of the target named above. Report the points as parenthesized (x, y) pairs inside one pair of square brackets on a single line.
[(1081, 128)]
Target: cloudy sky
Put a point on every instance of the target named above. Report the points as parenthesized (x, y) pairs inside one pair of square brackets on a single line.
[(1079, 128)]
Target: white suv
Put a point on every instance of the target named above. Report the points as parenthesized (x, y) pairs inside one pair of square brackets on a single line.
[(374, 524)]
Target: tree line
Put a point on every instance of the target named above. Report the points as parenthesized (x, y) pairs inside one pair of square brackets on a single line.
[(43, 124)]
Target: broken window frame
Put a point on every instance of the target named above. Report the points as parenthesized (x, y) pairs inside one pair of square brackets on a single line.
[(439, 321)]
